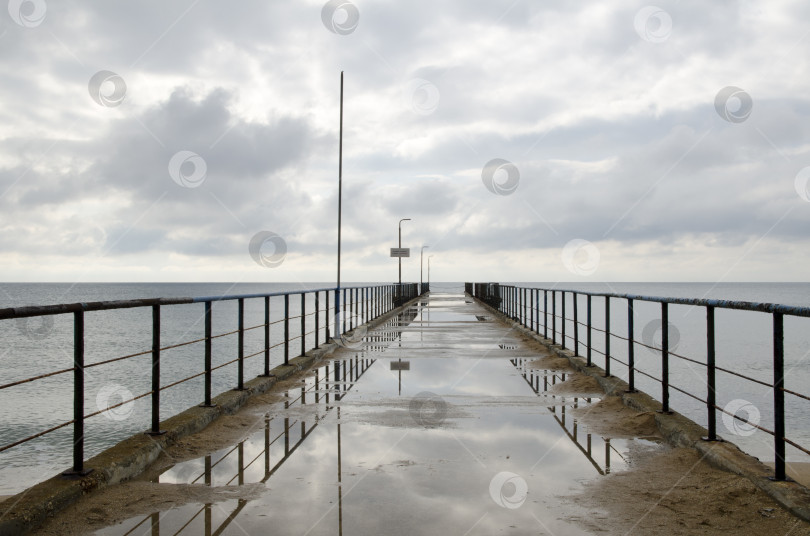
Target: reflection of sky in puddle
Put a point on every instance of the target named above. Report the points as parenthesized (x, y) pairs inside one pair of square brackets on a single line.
[(370, 463), (447, 316)]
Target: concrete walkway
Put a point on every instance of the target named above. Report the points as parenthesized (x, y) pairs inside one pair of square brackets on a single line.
[(435, 424)]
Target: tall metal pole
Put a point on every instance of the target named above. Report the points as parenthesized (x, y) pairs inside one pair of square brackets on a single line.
[(340, 203), (429, 256), (421, 266)]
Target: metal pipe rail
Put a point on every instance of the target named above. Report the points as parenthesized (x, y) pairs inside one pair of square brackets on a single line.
[(360, 304), (523, 304)]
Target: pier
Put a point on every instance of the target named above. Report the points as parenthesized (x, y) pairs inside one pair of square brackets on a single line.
[(452, 414)]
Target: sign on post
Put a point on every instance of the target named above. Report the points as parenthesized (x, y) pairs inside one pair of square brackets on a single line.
[(400, 252), (400, 365)]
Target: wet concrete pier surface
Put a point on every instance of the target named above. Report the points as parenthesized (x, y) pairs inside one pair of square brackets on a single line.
[(442, 421)]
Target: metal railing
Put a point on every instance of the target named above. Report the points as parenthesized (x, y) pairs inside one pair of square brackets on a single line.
[(406, 291), (356, 305), (539, 310)]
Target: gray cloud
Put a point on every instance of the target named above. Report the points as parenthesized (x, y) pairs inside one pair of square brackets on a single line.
[(616, 138)]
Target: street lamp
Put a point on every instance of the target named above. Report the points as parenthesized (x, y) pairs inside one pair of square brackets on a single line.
[(400, 259), (421, 266), (429, 256)]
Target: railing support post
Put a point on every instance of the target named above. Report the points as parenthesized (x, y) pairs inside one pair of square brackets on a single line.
[(607, 337), (553, 317), (665, 357), (286, 329), (631, 356), (266, 336), (303, 323), (317, 312), (590, 343), (562, 325), (78, 397), (711, 395), (155, 371), (343, 320), (351, 308), (545, 314), (330, 318), (525, 302), (240, 380), (511, 303), (576, 325), (779, 396), (208, 333)]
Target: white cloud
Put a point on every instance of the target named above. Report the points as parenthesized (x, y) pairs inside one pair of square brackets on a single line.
[(616, 139)]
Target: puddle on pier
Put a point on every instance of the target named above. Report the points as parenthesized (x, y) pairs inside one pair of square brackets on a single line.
[(371, 444), (447, 316)]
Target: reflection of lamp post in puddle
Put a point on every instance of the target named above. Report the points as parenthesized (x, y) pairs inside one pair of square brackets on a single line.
[(399, 366)]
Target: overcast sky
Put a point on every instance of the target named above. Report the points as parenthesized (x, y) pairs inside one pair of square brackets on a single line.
[(526, 140)]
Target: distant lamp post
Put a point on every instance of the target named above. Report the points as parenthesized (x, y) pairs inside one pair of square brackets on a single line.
[(421, 266), (400, 259), (429, 256)]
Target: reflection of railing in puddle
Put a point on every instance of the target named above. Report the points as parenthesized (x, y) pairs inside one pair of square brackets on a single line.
[(550, 379), (328, 384), (344, 374)]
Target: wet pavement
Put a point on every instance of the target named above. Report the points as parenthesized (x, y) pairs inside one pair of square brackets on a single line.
[(435, 423)]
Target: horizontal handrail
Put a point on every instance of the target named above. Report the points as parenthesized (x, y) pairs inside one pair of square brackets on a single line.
[(63, 308)]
